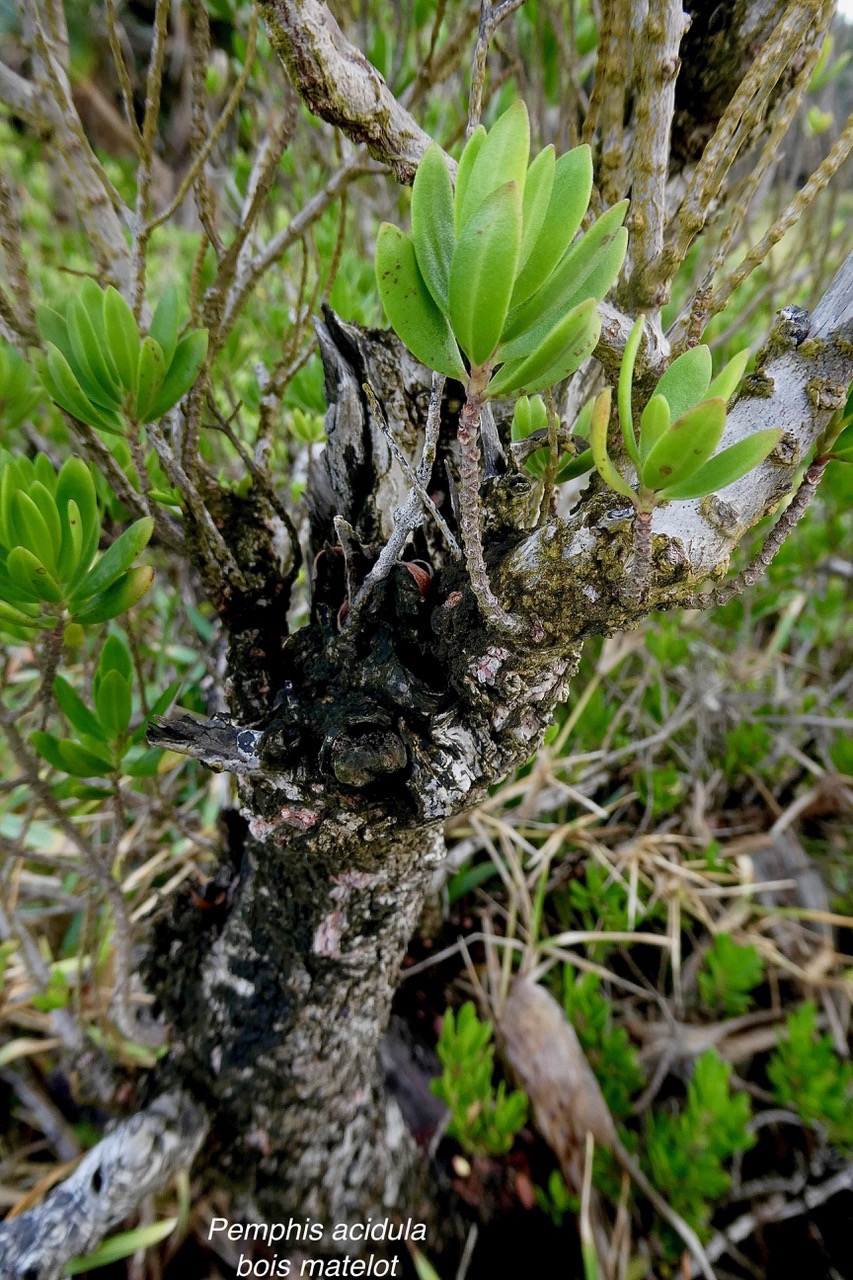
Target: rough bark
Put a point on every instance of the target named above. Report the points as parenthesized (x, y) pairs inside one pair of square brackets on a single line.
[(137, 1159)]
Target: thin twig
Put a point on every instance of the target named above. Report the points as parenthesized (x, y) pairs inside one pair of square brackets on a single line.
[(491, 17), (470, 517)]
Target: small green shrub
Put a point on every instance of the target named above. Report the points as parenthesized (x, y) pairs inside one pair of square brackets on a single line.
[(483, 1120), (728, 975), (808, 1076), (685, 1153)]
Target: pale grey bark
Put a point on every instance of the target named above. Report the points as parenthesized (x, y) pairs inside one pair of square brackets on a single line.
[(137, 1159)]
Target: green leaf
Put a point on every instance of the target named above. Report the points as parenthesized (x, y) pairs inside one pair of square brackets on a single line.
[(654, 424), (563, 351), (566, 285), (483, 272), (568, 203), (61, 385), (114, 704), (433, 227), (150, 374), (53, 329), (729, 465), (470, 152), (687, 444), (75, 484), (118, 598), (92, 297), (626, 384), (123, 338), (501, 159), (31, 531), (89, 351), (164, 323), (727, 380), (409, 305), (75, 709), (47, 746), (575, 467), (528, 416), (188, 359), (686, 381), (71, 545), (115, 656), (114, 562), (10, 616), (46, 503), (598, 444), (538, 186), (31, 576)]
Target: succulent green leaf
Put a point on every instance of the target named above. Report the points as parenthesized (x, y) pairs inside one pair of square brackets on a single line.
[(71, 542), (92, 296), (79, 361), (686, 381), (538, 186), (605, 270), (81, 761), (115, 561), (501, 159), (31, 530), (529, 415), (593, 287), (686, 446), (151, 371), (626, 384), (164, 323), (729, 465), (90, 345), (598, 446), (470, 152), (21, 596), (75, 709), (567, 284), (567, 346), (53, 328), (46, 503), (76, 486), (123, 337), (575, 467), (654, 424), (727, 380), (115, 656), (118, 598), (113, 702), (483, 272), (433, 226), (570, 194), (186, 364), (30, 575), (10, 616), (47, 747), (410, 307), (62, 386)]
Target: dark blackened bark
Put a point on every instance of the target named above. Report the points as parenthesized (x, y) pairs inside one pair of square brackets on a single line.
[(278, 1029)]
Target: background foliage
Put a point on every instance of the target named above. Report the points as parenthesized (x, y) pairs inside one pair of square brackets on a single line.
[(693, 797)]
